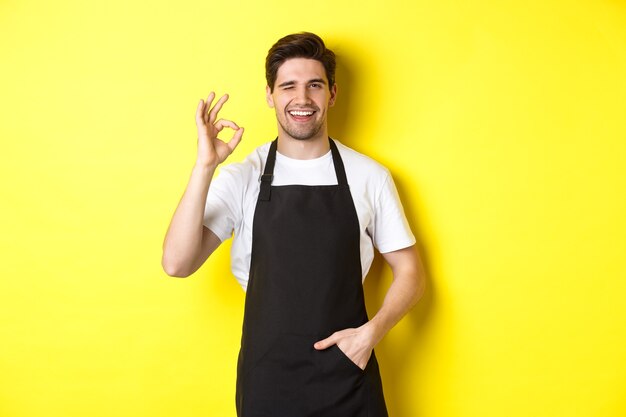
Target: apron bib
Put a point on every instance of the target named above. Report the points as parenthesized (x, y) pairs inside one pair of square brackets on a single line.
[(305, 283)]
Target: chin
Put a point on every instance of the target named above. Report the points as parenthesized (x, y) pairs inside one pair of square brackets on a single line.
[(302, 138), (303, 135)]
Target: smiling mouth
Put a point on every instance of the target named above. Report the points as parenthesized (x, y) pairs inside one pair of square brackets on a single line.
[(301, 115)]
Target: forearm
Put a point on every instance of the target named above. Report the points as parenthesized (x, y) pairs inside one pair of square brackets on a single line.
[(404, 292), (183, 239)]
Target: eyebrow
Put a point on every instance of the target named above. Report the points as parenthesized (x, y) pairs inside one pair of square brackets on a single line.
[(314, 80)]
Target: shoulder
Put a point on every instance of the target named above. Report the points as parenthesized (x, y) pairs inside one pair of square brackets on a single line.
[(361, 165)]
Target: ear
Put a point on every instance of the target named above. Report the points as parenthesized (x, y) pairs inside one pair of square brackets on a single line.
[(268, 96), (333, 95)]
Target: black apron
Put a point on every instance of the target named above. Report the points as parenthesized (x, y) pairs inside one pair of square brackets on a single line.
[(305, 283)]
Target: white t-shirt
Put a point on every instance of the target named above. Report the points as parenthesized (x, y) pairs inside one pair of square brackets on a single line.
[(233, 194)]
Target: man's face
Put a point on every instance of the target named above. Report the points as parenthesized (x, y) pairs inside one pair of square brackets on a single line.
[(301, 98)]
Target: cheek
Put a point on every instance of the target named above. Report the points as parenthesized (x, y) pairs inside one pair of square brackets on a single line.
[(281, 104)]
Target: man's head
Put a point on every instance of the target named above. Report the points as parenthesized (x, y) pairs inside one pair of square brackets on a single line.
[(301, 85), (299, 45)]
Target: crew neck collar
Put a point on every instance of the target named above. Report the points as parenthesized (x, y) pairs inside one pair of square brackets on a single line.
[(300, 162)]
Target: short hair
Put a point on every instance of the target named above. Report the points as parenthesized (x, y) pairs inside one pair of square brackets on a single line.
[(299, 45)]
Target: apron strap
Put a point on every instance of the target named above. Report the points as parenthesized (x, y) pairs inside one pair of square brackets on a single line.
[(338, 163), (268, 172)]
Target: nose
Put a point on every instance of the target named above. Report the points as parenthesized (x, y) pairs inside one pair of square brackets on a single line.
[(302, 95)]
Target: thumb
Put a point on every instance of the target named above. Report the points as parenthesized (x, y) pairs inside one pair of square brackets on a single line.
[(232, 144), (325, 343)]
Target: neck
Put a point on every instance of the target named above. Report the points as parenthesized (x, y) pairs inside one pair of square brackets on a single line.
[(303, 149)]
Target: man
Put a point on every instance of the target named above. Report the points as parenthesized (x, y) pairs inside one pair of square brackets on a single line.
[(306, 212)]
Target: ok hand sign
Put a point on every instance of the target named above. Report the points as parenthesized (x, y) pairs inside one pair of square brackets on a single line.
[(212, 151)]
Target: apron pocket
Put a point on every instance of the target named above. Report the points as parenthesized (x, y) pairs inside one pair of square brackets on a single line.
[(344, 358), (339, 387)]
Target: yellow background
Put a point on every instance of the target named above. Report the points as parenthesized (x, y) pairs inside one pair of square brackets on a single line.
[(503, 124)]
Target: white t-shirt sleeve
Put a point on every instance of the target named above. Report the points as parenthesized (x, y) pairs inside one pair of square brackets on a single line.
[(390, 228), (223, 210)]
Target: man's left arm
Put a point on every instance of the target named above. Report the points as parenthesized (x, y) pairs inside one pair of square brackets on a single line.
[(406, 289)]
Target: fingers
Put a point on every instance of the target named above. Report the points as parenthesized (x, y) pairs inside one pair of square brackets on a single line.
[(207, 106), (201, 111), (203, 108), (217, 107), (219, 125), (204, 116), (234, 141)]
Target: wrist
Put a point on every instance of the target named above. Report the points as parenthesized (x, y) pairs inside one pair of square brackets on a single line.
[(376, 329), (205, 166)]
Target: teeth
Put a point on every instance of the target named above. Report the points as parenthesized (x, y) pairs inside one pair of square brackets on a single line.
[(300, 113)]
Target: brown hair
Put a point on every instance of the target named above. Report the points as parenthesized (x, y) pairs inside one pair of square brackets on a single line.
[(299, 45)]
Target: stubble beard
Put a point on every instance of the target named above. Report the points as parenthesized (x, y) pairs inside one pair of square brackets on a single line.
[(304, 134)]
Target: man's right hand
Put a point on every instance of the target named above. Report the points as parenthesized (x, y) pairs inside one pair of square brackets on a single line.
[(212, 151)]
